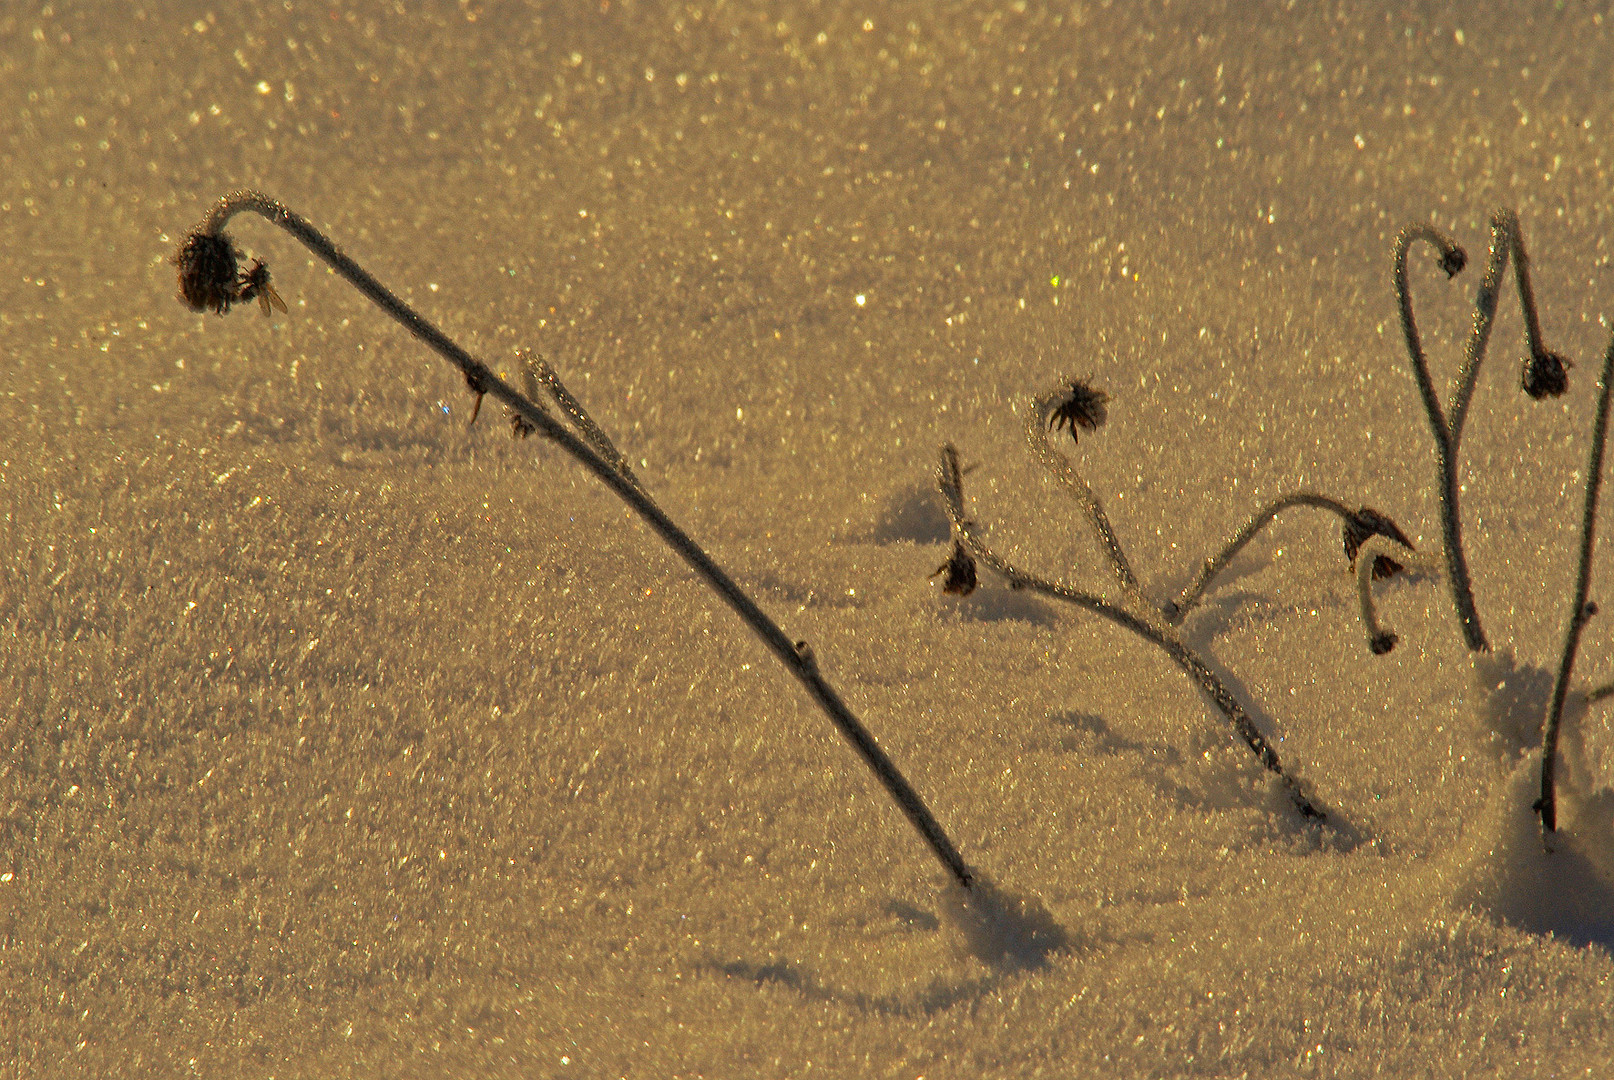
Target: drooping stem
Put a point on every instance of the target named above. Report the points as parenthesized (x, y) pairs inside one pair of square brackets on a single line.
[(1446, 437), (795, 656), (1146, 626), (1380, 639), (1191, 595), (1580, 608)]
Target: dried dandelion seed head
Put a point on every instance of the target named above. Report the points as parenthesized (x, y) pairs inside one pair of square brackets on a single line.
[(1546, 374), (1368, 522), (960, 570), (209, 272), (1080, 406)]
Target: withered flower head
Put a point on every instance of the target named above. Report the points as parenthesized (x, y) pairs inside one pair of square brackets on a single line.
[(960, 571), (1082, 406), (209, 277), (1546, 374), (1368, 522), (1453, 261)]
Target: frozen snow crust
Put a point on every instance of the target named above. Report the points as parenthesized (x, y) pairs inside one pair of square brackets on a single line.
[(342, 738)]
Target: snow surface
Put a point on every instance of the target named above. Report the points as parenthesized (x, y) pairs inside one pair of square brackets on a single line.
[(342, 739)]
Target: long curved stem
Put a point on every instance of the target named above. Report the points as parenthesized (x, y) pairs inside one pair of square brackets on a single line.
[(1146, 627), (796, 657), (1580, 610), (1191, 595), (1446, 438)]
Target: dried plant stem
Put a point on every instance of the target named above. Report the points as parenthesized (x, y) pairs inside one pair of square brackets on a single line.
[(1580, 608), (1191, 596), (1507, 241), (1036, 433), (1445, 438), (795, 656), (1145, 625)]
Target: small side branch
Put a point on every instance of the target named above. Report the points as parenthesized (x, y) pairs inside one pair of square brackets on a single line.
[(1191, 596), (543, 375), (1036, 432)]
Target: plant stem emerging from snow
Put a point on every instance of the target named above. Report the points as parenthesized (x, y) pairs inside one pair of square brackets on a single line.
[(1544, 375), (1146, 625), (208, 279), (1580, 608)]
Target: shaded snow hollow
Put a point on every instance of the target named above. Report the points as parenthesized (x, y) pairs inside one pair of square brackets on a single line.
[(342, 738)]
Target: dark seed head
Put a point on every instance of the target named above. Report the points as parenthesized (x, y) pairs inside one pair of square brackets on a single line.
[(1382, 643), (1546, 374), (1368, 522), (960, 571), (1082, 406), (209, 276), (1453, 261)]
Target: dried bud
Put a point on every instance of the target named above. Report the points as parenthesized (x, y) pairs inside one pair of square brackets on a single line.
[(1382, 643), (1082, 406), (1368, 522), (1452, 261), (209, 277), (960, 571), (1546, 375)]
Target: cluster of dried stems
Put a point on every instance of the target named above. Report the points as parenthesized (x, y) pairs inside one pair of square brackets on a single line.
[(1370, 537), (211, 278)]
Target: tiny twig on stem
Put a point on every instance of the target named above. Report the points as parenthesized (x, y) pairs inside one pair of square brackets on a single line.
[(1380, 639)]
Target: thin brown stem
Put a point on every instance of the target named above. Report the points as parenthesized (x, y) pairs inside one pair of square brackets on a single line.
[(1580, 608)]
